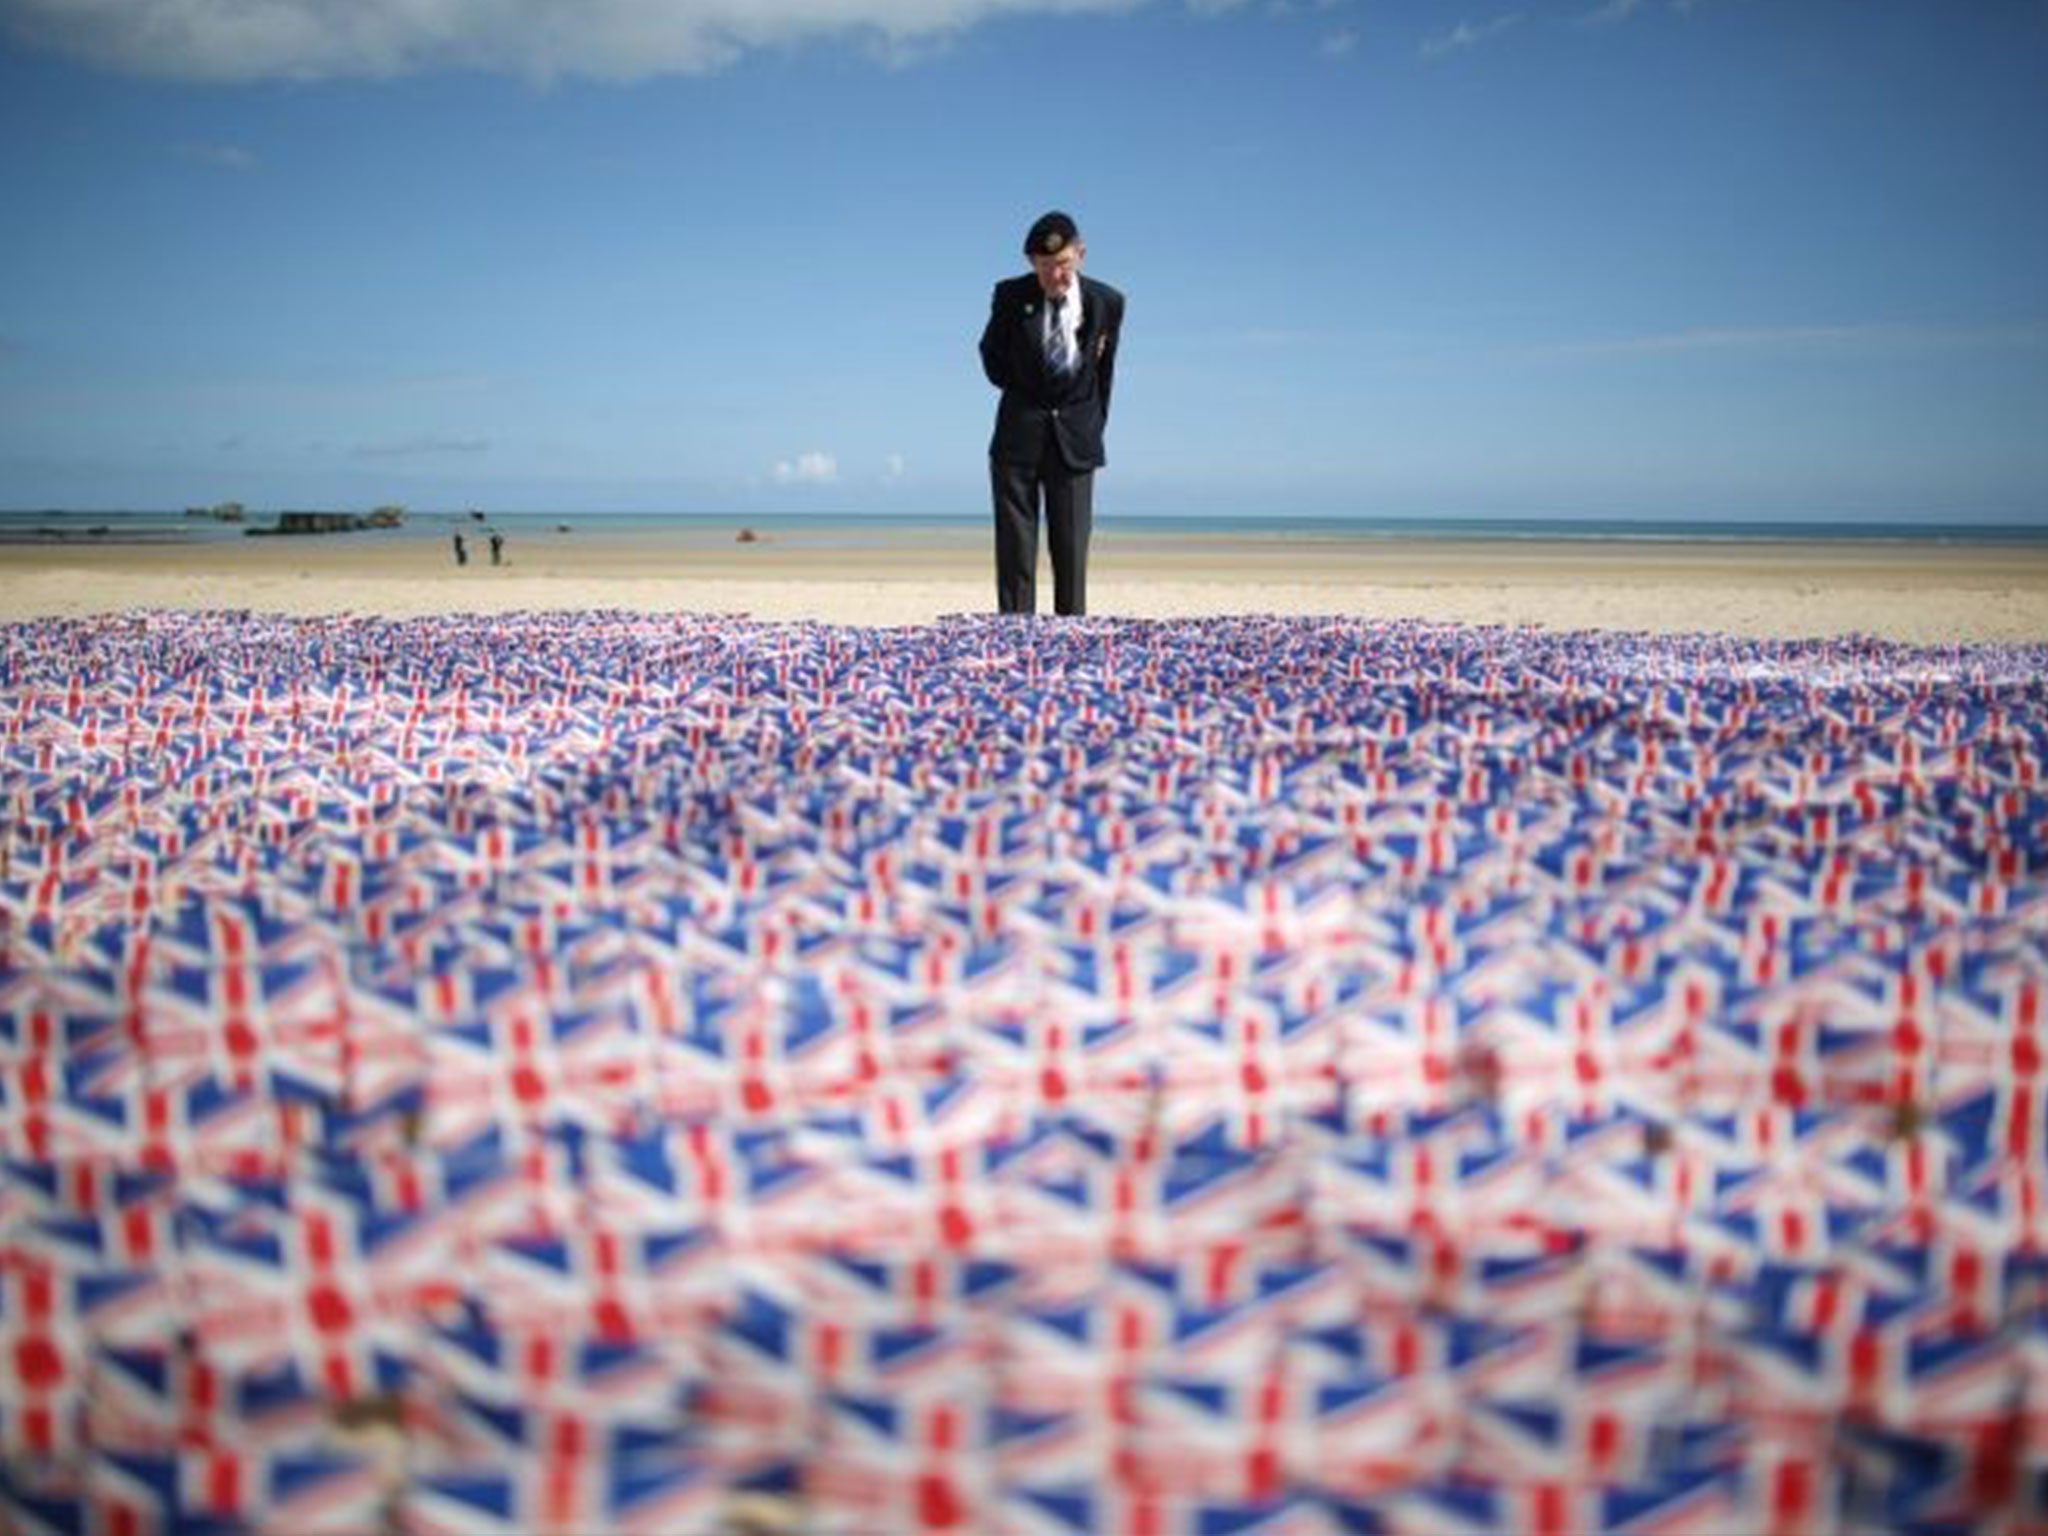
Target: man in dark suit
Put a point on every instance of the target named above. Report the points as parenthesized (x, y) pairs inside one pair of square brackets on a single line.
[(1050, 347)]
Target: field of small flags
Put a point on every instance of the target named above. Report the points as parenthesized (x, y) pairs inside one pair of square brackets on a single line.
[(681, 1074)]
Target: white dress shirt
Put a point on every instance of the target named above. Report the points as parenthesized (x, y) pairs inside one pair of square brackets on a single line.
[(1069, 312)]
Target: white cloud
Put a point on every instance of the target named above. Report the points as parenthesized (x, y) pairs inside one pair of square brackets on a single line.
[(1466, 35), (807, 469), (1728, 338), (411, 447), (893, 467), (606, 39), (1338, 44), (1874, 334), (1608, 14)]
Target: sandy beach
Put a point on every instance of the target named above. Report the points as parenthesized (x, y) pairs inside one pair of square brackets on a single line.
[(1914, 592)]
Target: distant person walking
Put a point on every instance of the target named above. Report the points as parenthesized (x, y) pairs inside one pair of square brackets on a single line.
[(1050, 347), (497, 547), (461, 551)]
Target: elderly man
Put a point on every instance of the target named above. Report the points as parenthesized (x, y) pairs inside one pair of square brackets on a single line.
[(1050, 347)]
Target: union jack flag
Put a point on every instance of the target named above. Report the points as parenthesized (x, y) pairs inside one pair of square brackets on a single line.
[(602, 1072)]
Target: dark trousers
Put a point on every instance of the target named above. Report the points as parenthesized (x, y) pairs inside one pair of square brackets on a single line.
[(1069, 515)]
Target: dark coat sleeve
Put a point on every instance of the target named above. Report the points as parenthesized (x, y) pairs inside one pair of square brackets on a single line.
[(994, 362), (1112, 333)]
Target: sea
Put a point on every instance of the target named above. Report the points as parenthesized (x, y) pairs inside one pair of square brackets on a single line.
[(826, 529)]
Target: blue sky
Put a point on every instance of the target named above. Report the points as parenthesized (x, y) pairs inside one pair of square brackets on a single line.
[(1712, 258)]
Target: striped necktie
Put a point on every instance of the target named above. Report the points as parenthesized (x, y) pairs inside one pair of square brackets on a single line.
[(1059, 356)]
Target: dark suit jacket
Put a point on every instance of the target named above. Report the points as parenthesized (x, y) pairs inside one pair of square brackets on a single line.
[(1035, 400)]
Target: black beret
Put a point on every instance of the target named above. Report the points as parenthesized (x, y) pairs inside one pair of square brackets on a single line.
[(1053, 233)]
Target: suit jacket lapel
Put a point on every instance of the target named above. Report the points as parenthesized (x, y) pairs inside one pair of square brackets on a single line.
[(1031, 324), (1031, 317)]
